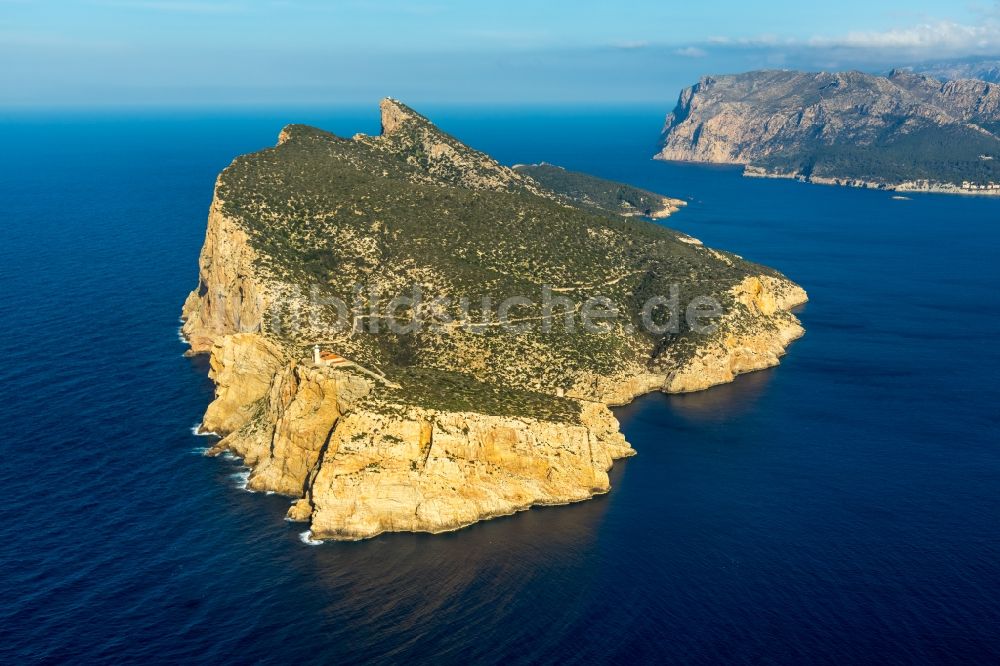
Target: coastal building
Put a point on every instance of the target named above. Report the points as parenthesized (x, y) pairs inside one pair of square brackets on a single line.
[(328, 358)]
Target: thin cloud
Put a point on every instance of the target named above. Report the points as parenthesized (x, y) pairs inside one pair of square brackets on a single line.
[(940, 35), (631, 46), (934, 38), (691, 52)]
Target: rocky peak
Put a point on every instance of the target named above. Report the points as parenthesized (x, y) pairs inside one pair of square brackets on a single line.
[(395, 114), (439, 157)]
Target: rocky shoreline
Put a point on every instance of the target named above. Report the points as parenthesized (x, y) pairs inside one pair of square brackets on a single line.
[(346, 460), (918, 187)]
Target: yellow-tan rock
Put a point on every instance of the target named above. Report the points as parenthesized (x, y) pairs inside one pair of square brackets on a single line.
[(229, 299)]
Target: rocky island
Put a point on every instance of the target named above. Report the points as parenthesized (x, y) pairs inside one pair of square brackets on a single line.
[(348, 293), (904, 131)]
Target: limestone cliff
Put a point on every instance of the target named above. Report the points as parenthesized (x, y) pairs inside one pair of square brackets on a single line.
[(363, 466), (460, 419), (903, 130), (229, 298)]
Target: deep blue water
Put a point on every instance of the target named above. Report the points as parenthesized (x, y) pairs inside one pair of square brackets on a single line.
[(841, 508)]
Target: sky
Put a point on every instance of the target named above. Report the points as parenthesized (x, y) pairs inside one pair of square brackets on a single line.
[(203, 53)]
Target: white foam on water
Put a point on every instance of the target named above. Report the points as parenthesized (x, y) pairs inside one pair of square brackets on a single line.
[(306, 538), (196, 431), (200, 450), (180, 335), (242, 478)]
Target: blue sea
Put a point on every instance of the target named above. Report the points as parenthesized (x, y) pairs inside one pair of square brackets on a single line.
[(841, 508)]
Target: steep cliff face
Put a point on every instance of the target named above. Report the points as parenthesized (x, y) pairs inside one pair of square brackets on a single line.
[(752, 335), (362, 466), (229, 297), (458, 420), (756, 331), (420, 470), (846, 126), (274, 411)]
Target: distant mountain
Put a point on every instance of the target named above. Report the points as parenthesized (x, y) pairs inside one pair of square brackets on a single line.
[(902, 131), (949, 70)]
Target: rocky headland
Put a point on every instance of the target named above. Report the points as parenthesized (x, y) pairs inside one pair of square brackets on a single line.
[(904, 131)]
